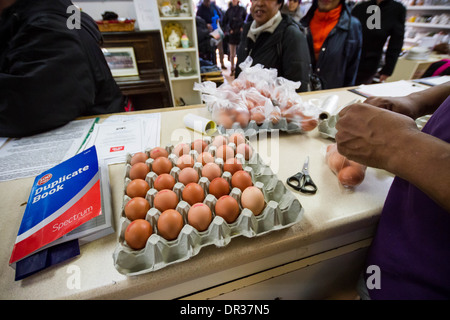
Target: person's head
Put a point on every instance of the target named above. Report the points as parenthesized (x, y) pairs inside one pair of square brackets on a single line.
[(327, 5), (263, 10), (206, 3), (293, 4), (235, 2)]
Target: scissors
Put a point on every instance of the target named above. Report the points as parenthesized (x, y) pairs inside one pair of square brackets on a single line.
[(302, 181)]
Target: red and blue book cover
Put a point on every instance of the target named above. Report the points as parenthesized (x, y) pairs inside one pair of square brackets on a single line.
[(61, 199)]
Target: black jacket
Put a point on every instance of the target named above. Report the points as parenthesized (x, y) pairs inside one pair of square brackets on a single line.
[(285, 49), (50, 74), (339, 57), (392, 16), (233, 20)]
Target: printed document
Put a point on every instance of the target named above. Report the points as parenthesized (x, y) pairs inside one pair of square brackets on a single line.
[(30, 156)]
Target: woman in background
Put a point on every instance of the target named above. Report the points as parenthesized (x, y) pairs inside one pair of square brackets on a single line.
[(292, 9), (233, 22), (275, 41)]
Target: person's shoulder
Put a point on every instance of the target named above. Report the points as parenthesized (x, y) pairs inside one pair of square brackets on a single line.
[(398, 6), (290, 26), (361, 7)]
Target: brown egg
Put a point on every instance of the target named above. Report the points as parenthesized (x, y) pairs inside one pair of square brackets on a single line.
[(139, 171), (308, 124), (219, 187), (237, 138), (351, 176), (252, 198), (188, 175), (193, 193), (228, 208), (241, 179), (232, 165), (275, 116), (224, 119), (136, 208), (158, 152), (185, 161), (245, 150), (164, 181), (137, 188), (200, 216), (219, 141), (181, 148), (205, 157), (211, 170), (138, 157), (225, 152), (257, 115), (243, 118), (137, 233), (169, 224), (165, 199), (199, 145), (336, 161), (161, 165)]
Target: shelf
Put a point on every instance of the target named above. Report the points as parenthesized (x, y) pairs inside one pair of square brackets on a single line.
[(176, 18), (181, 87), (419, 8), (180, 50), (181, 78), (428, 25)]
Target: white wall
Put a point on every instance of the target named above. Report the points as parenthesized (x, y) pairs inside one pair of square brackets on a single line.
[(125, 9)]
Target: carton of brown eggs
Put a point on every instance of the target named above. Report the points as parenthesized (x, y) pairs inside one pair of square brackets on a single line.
[(281, 209)]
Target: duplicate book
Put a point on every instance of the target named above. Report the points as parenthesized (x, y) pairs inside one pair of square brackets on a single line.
[(69, 201)]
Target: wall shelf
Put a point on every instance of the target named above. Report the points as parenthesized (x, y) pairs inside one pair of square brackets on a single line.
[(181, 87)]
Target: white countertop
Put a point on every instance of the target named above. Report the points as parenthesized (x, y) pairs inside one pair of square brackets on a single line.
[(332, 217)]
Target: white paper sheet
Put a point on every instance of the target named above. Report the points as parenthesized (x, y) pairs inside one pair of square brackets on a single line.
[(390, 89), (122, 134), (29, 156), (147, 14)]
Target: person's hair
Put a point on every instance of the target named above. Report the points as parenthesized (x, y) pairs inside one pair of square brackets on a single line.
[(280, 2)]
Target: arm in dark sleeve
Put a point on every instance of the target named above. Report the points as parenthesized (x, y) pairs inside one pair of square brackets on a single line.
[(45, 80), (296, 60), (395, 42)]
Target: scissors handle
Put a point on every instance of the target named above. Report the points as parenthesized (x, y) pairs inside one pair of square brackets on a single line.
[(302, 182), (308, 185)]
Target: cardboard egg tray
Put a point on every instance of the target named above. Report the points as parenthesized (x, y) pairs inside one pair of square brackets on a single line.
[(282, 210), (267, 126)]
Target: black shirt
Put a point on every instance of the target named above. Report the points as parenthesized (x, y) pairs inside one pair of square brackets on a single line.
[(50, 74), (391, 23)]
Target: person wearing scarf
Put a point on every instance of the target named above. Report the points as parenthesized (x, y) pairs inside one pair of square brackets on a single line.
[(274, 40)]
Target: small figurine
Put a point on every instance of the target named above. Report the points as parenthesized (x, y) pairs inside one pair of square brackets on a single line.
[(174, 39), (184, 41), (174, 64)]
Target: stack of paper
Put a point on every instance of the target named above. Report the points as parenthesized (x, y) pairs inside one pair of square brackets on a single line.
[(122, 134)]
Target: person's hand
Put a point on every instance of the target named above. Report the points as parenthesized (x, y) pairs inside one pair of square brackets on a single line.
[(369, 135), (403, 105), (209, 26), (383, 77)]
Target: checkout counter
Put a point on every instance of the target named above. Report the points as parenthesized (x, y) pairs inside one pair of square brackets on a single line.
[(319, 257)]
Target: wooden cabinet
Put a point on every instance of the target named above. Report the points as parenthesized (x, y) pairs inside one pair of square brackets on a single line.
[(150, 89)]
